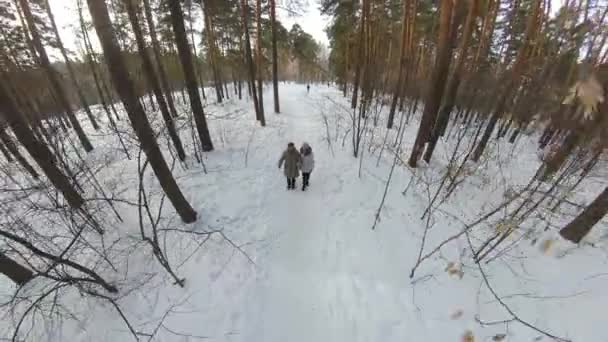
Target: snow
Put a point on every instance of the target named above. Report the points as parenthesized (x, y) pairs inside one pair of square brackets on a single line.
[(306, 266)]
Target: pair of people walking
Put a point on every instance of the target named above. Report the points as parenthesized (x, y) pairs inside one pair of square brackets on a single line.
[(294, 162)]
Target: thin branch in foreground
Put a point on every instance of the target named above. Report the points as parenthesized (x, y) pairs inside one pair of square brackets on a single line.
[(503, 304)]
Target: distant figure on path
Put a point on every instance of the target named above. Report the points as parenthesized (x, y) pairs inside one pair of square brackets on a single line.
[(308, 164), (308, 88), (292, 160)]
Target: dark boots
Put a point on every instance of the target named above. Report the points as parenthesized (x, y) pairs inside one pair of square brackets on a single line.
[(291, 183), (305, 180)]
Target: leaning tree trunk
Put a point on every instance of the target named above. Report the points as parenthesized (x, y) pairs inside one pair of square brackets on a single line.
[(153, 80), (578, 228), (437, 86), (185, 56), (14, 150), (137, 116), (39, 151), (452, 87), (258, 55), (275, 58), (68, 64), (14, 271), (249, 58), (162, 74), (512, 80), (6, 153), (53, 76)]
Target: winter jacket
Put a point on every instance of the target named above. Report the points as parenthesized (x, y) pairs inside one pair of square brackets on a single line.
[(308, 158), (292, 159)]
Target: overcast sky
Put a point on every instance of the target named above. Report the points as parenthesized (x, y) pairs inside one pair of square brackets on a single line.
[(309, 19)]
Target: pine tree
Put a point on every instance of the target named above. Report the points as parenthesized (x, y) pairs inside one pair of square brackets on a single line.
[(68, 64), (437, 85), (259, 58), (162, 73), (249, 59), (275, 62), (137, 116), (185, 55), (53, 76), (454, 82), (153, 81), (38, 150)]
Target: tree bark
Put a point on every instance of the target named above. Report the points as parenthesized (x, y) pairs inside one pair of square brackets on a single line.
[(153, 80), (39, 151), (437, 85), (275, 58), (578, 228), (14, 271), (53, 76), (137, 116), (258, 47), (249, 58), (185, 56), (159, 62)]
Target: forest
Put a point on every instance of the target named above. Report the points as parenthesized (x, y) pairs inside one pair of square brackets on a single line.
[(460, 188)]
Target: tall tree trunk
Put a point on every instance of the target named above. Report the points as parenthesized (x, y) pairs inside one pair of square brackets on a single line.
[(437, 85), (259, 58), (249, 59), (68, 64), (403, 57), (212, 50), (360, 58), (452, 87), (137, 116), (95, 74), (153, 80), (512, 80), (53, 76), (197, 65), (14, 150), (97, 78), (162, 74), (185, 55), (578, 228), (38, 150), (14, 271), (275, 58)]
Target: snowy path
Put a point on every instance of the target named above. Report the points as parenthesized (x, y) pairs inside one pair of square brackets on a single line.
[(319, 280)]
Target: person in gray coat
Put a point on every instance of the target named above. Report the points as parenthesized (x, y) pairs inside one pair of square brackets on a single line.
[(292, 160), (307, 165)]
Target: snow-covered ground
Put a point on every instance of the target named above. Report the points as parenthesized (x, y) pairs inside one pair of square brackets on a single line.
[(307, 266)]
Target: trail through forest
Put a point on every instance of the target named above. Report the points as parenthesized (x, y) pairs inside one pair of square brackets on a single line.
[(325, 271)]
